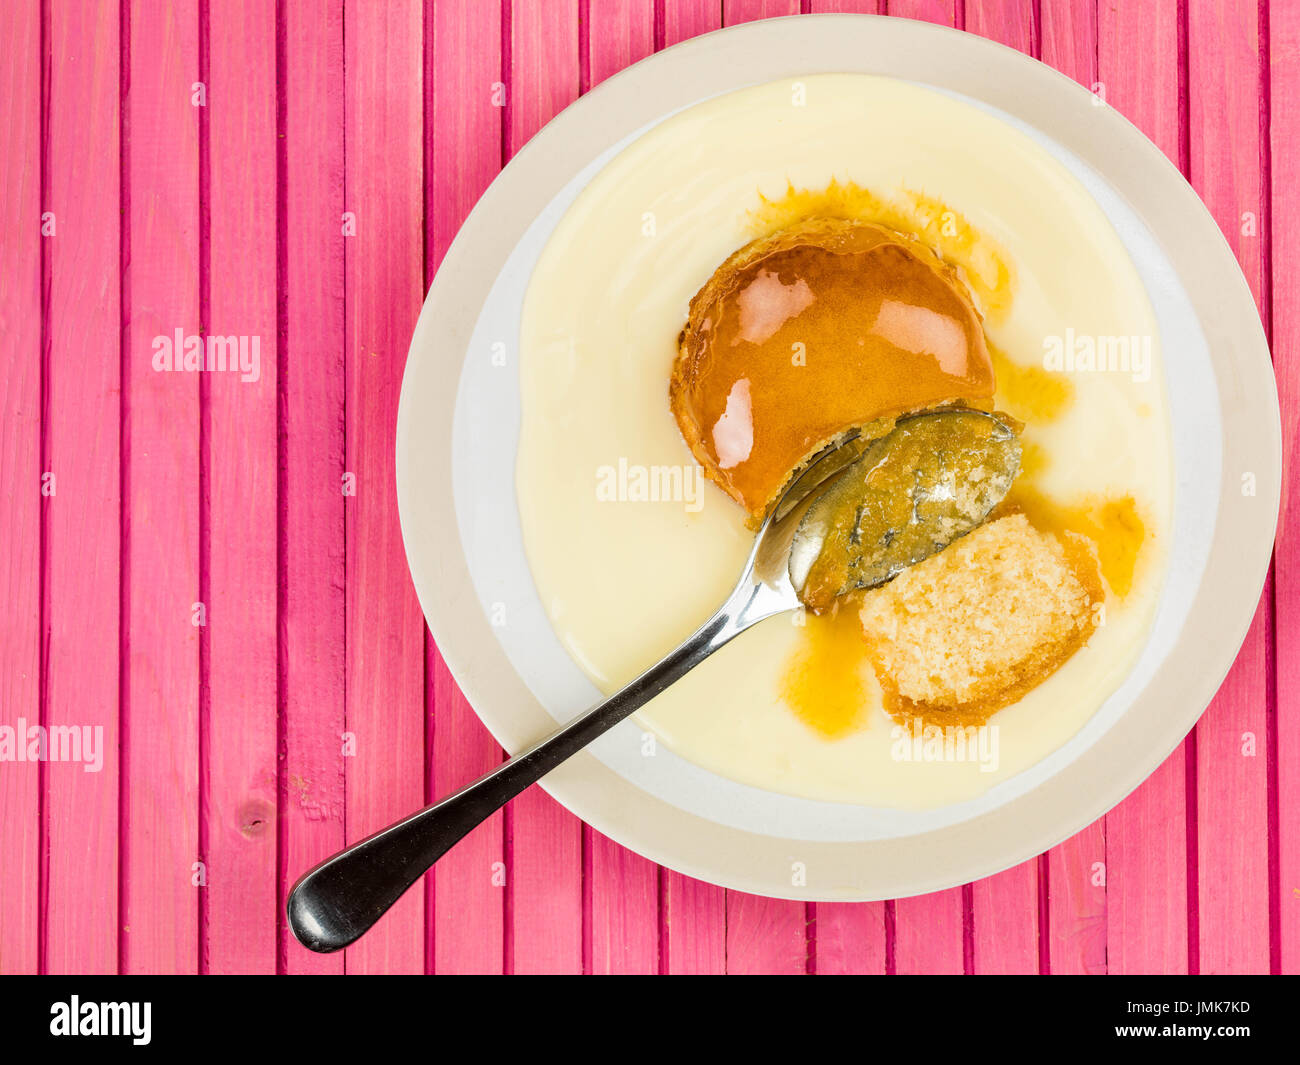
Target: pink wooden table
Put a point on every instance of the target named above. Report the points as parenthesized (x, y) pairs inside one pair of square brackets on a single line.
[(181, 566)]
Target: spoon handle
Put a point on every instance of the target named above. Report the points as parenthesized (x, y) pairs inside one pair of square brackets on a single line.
[(337, 901)]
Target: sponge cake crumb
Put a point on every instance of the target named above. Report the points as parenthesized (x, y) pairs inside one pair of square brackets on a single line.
[(976, 626)]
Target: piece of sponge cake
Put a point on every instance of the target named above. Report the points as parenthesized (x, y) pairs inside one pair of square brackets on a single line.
[(973, 628)]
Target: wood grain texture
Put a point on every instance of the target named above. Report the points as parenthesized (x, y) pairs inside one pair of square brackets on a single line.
[(384, 290), (1009, 22), (1067, 38), (1284, 154), (1138, 59), (1077, 905), (464, 100), (619, 32), (736, 11), (766, 936), (845, 7), (622, 909), (241, 471), (684, 19), (1004, 921), (929, 933), (164, 613), (694, 939), (940, 12), (1224, 74), (544, 65), (83, 421), (312, 667), (547, 843), (20, 477), (849, 939)]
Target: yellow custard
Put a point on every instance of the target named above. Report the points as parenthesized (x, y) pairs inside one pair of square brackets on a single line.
[(793, 706)]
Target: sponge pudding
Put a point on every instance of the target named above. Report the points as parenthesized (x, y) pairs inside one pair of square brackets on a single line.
[(801, 335)]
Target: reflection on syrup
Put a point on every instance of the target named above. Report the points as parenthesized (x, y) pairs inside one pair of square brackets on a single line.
[(828, 681), (824, 327), (980, 260)]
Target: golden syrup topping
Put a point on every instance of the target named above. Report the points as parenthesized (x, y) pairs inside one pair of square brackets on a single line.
[(981, 261), (1030, 393), (1114, 526), (820, 328), (827, 680)]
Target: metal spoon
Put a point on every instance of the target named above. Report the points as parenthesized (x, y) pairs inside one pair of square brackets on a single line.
[(333, 904)]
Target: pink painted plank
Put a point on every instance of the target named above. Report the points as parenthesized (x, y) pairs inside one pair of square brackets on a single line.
[(83, 424), (465, 106), (619, 32), (20, 476), (546, 841), (470, 883), (1078, 906), (1004, 908), (622, 892), (1009, 22), (1284, 68), (942, 12), (849, 938), (737, 11), (929, 936), (842, 7), (1005, 933), (385, 287), (160, 755), (1146, 835), (1232, 823), (684, 19), (544, 65), (766, 936), (1146, 875), (622, 888), (463, 120), (312, 629), (1068, 35), (1138, 60), (694, 941), (1224, 76), (240, 453)]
